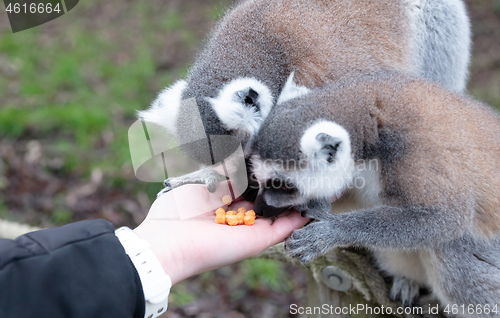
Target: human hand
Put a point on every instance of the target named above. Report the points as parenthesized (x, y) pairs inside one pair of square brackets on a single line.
[(192, 246)]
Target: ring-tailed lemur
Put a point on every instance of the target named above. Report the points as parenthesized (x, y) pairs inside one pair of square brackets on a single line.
[(414, 167), (265, 52)]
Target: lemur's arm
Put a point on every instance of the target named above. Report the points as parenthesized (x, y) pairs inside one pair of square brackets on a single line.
[(384, 226), (208, 176)]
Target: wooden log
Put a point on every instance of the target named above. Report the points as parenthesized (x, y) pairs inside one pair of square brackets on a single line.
[(367, 286)]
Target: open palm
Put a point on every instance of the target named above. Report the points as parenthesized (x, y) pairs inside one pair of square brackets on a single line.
[(188, 246)]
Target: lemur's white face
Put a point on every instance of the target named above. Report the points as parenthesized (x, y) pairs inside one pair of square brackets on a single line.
[(244, 103), (325, 171), (241, 105)]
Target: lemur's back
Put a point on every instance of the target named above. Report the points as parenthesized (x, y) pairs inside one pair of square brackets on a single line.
[(453, 143), (326, 41), (333, 40), (436, 147)]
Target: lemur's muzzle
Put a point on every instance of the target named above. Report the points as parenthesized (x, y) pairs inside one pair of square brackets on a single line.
[(262, 209)]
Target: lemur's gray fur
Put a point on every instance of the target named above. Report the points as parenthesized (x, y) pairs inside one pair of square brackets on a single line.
[(264, 52), (416, 170)]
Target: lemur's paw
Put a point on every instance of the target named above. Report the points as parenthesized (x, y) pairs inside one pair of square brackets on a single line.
[(316, 209), (163, 191), (212, 185), (209, 177), (167, 183), (312, 214), (404, 290), (187, 179), (309, 242), (173, 183)]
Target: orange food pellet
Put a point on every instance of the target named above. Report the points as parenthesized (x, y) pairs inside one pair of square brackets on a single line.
[(232, 220), (249, 219), (227, 200), (240, 216), (242, 209), (220, 219), (220, 211)]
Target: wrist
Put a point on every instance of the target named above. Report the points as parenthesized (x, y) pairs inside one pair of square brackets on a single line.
[(155, 282), (162, 247)]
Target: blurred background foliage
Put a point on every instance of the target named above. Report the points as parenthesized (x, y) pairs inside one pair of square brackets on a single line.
[(69, 90)]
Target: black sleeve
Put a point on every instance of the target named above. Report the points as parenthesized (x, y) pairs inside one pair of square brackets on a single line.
[(77, 270)]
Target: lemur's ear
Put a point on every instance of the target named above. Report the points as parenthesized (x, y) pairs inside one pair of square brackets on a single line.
[(291, 90), (326, 141), (165, 109), (243, 104)]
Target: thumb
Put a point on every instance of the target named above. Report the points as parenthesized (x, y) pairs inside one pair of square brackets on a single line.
[(284, 226)]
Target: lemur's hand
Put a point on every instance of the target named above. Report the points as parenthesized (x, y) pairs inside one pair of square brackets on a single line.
[(316, 209), (206, 176), (164, 190), (316, 238)]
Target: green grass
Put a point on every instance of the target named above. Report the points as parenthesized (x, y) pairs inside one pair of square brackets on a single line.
[(61, 216), (496, 6), (72, 87), (266, 273), (489, 94), (180, 296)]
